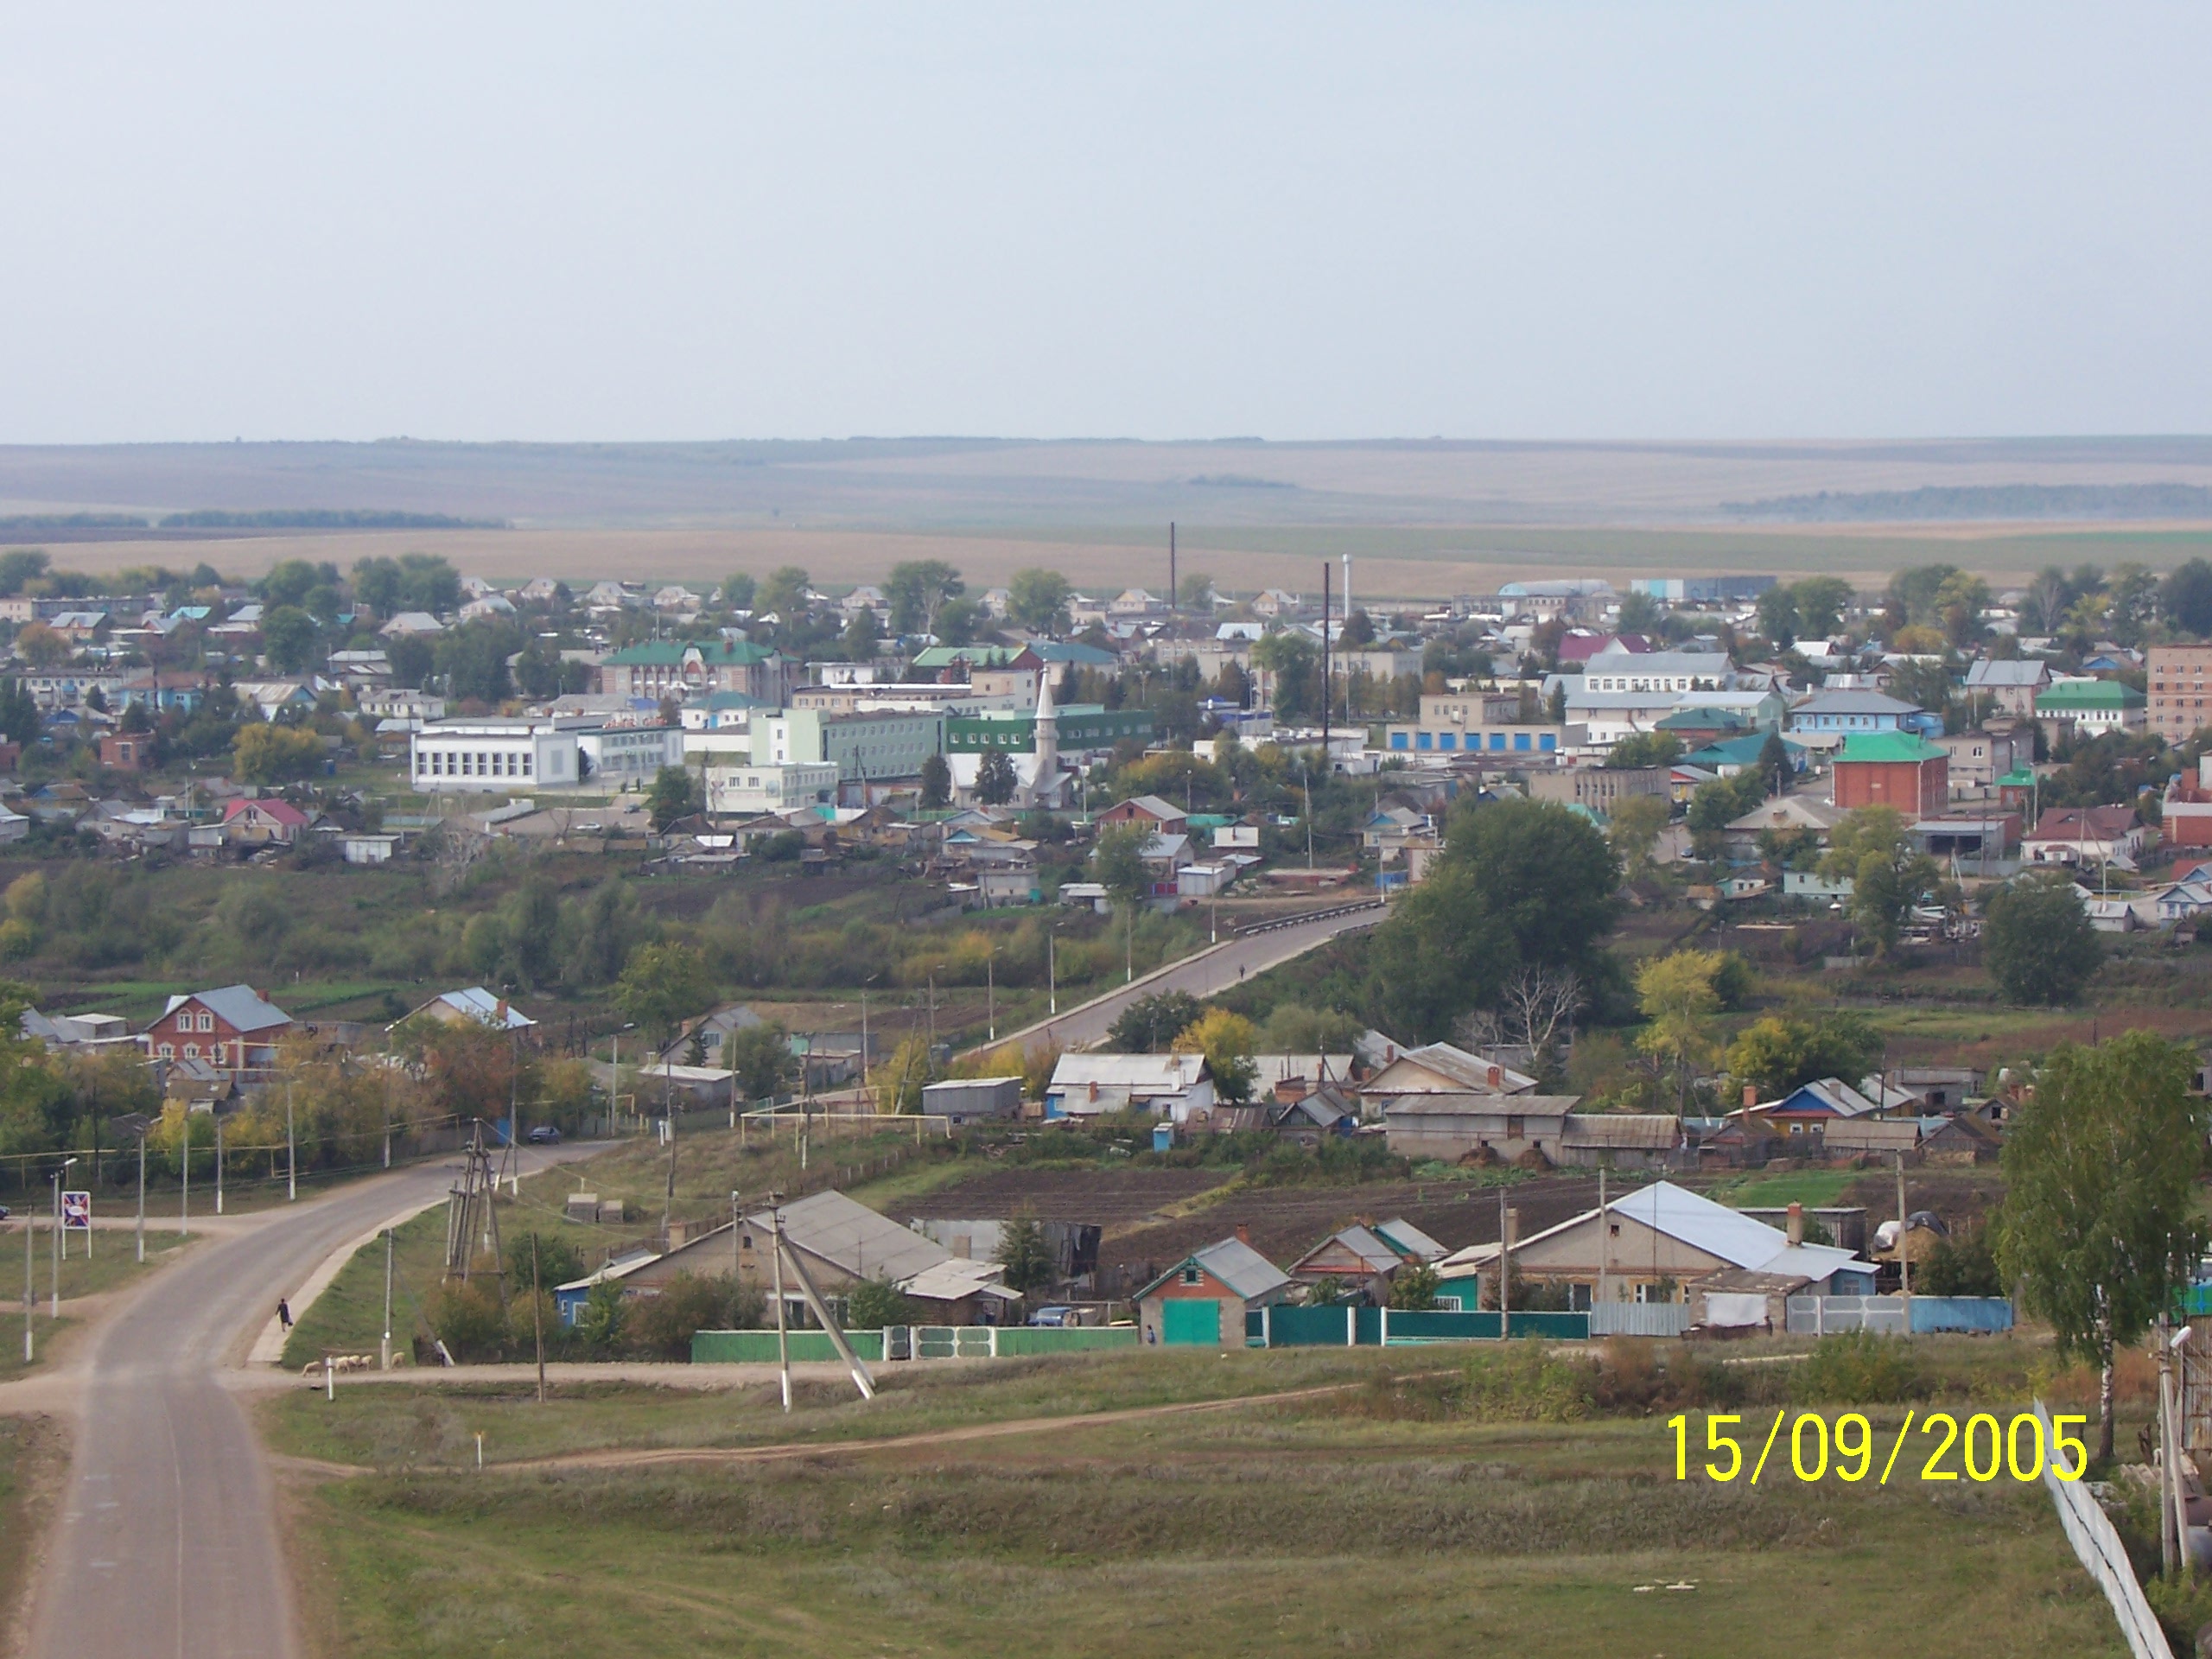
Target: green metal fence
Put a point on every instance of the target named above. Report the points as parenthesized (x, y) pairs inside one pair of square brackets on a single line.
[(917, 1342), (1371, 1327)]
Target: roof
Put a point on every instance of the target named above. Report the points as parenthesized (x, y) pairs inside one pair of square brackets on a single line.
[(2089, 694), (1702, 717), (282, 811), (1456, 1064), (1622, 1131), (1889, 747), (1743, 751), (2083, 824), (955, 1278), (1377, 1254), (1460, 1103), (1235, 1264), (1854, 702), (1830, 1095), (1986, 673), (853, 1237), (1731, 1235), (239, 1006), (1159, 1073), (485, 1007), (1151, 805), (668, 653), (1404, 1236)]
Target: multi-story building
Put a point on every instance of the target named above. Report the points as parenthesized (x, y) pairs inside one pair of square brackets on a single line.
[(1600, 789), (769, 788), (1085, 727), (676, 668), (493, 752), (2092, 706), (1898, 769), (232, 1030), (2177, 705), (1480, 738), (863, 748)]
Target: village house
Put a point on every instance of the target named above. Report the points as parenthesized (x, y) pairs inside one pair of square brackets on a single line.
[(232, 1030), (1173, 1086), (1365, 1256), (1202, 1300), (264, 822), (2078, 836)]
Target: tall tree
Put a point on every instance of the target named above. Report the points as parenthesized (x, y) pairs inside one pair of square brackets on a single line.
[(2037, 940), (1678, 996), (1038, 600), (1872, 849), (1819, 601), (918, 588), (936, 783), (2185, 597), (1227, 1041), (2099, 1226), (784, 593), (994, 779)]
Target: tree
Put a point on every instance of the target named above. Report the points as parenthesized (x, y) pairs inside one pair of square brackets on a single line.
[(40, 646), (761, 1057), (1640, 749), (737, 591), (861, 635), (1717, 803), (1872, 848), (1151, 1024), (288, 635), (262, 753), (1038, 600), (558, 1259), (2099, 1227), (995, 781), (937, 784), (1544, 870), (661, 985), (1677, 995), (1413, 1288), (674, 794), (1025, 1258), (1776, 1054), (1226, 1040), (19, 719), (1295, 663), (1442, 952), (1634, 830), (874, 1303), (918, 590), (1775, 767), (1358, 632), (2037, 941), (1534, 1008), (784, 593), (1639, 613), (2185, 597), (1819, 601), (1117, 863), (1195, 592), (1779, 617)]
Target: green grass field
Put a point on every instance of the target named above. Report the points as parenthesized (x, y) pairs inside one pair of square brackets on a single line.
[(1389, 1519), (113, 1266)]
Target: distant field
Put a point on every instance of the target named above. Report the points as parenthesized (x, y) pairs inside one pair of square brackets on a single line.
[(1395, 562)]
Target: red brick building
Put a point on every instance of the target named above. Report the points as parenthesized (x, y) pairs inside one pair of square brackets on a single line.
[(1896, 769), (1202, 1300), (2176, 674), (234, 1029)]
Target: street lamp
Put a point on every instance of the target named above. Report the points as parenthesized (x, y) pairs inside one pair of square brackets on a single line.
[(58, 1174)]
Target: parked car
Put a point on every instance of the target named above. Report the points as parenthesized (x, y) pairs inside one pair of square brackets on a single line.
[(5, 1212), (544, 1135), (1057, 1316)]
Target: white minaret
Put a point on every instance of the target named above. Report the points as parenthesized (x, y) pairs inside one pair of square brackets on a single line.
[(1048, 737)]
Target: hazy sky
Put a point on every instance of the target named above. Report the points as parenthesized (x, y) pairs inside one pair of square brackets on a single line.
[(721, 220)]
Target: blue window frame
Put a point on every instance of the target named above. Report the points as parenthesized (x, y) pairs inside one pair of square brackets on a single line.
[(1497, 740), (1423, 741), (1546, 740), (1397, 739), (1447, 739), (1520, 741)]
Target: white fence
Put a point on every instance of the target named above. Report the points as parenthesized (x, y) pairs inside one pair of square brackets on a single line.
[(1820, 1316), (1639, 1318), (2098, 1545)]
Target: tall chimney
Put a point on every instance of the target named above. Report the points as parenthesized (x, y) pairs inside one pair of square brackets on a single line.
[(1797, 1225), (1497, 1076)]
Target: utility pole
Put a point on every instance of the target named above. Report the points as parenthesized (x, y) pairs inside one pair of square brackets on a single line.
[(385, 1356), (1904, 1260), (291, 1151), (58, 1174), (184, 1198), (1504, 1264), (1053, 970), (1174, 594), (991, 996), (1324, 666), (1604, 1219), (30, 1296), (536, 1319), (783, 1334), (218, 1162), (142, 1195)]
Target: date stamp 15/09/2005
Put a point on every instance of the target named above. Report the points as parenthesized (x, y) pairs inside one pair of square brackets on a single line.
[(1986, 1449)]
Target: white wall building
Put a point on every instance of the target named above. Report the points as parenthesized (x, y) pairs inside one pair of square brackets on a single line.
[(630, 754), (494, 752), (771, 788)]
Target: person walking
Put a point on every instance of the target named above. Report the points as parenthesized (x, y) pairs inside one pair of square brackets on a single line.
[(284, 1313)]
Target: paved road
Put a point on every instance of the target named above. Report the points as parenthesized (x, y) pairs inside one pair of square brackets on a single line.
[(166, 1541), (1207, 974)]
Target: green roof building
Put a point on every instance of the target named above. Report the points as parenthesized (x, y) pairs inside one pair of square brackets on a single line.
[(2093, 705), (1083, 728)]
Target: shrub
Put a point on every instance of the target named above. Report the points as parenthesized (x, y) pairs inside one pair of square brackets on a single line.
[(661, 1327), (1525, 1382), (1857, 1368), (466, 1317), (874, 1303), (1413, 1288)]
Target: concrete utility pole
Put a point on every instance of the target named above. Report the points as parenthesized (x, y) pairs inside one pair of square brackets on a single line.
[(1505, 1253), (291, 1151), (783, 1333), (537, 1318), (218, 1162), (142, 1195), (1905, 1259), (58, 1174), (30, 1296), (384, 1356)]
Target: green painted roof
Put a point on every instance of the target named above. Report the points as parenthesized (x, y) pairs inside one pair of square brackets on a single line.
[(668, 652), (1703, 719), (2089, 694), (1740, 751), (2019, 778), (1889, 746)]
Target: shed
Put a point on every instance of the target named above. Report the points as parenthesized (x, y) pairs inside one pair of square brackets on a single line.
[(959, 1100), (1201, 1302)]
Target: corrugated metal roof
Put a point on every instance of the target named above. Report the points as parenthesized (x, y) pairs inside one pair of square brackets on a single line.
[(1630, 1131), (239, 1006), (1469, 1103), (1410, 1239), (854, 1238), (1242, 1268)]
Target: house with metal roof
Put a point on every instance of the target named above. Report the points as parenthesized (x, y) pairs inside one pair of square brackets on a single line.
[(233, 1029), (1652, 1245), (2012, 686), (1823, 720), (2093, 705), (1172, 1086), (476, 1006), (1202, 1300)]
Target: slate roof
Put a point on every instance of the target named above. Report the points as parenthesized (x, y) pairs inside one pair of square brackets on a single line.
[(486, 1009), (1235, 1264), (853, 1237)]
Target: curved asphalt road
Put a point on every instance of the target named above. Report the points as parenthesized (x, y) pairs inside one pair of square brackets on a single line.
[(1207, 974), (166, 1543)]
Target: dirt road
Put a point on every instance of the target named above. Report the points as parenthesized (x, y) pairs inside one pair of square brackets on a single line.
[(165, 1540)]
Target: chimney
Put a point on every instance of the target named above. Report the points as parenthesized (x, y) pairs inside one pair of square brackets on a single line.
[(1243, 1233), (1797, 1225), (1496, 1076), (1750, 1095)]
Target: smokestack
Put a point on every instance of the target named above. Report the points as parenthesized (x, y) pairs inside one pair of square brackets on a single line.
[(1497, 1076), (1797, 1225)]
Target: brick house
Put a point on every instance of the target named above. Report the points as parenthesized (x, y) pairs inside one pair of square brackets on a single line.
[(2176, 674), (1202, 1300), (1898, 769), (1149, 812), (230, 1030), (126, 752), (259, 822)]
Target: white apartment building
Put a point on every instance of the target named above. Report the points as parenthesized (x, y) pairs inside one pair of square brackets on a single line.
[(1615, 670), (629, 754), (769, 788)]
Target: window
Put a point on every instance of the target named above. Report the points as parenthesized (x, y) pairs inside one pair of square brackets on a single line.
[(168, 1051), (1191, 1275), (192, 1050), (1516, 1127)]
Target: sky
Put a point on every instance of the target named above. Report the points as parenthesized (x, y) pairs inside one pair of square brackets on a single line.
[(718, 221)]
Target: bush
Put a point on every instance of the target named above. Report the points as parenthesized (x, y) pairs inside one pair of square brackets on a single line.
[(874, 1303), (1413, 1288), (468, 1319), (559, 1261), (1961, 1267), (1523, 1382), (1858, 1368), (661, 1327)]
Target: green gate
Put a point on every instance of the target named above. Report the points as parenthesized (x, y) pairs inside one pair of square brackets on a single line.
[(1187, 1321)]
